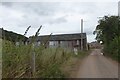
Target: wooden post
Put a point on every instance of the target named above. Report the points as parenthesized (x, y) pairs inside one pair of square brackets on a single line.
[(33, 61), (33, 64)]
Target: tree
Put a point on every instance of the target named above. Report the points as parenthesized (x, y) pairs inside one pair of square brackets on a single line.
[(107, 29), (11, 36), (108, 32)]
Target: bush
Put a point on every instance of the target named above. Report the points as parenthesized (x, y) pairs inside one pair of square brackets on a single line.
[(113, 49)]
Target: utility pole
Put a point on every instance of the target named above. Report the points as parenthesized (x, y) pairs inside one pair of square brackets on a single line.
[(81, 34)]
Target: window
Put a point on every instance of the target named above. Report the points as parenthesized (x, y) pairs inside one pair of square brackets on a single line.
[(51, 43)]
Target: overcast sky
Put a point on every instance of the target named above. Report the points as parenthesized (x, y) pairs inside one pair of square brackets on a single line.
[(56, 17)]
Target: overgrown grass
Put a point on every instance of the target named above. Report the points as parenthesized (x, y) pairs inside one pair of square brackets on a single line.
[(48, 61), (17, 60)]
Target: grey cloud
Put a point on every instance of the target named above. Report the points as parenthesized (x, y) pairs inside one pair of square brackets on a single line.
[(7, 4), (40, 8), (58, 20), (44, 8)]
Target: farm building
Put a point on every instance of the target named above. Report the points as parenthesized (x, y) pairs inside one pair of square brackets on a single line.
[(94, 44), (63, 40)]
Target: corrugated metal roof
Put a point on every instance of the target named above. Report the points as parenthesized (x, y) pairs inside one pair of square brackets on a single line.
[(62, 37)]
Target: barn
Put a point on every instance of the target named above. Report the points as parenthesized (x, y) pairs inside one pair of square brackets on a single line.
[(63, 40)]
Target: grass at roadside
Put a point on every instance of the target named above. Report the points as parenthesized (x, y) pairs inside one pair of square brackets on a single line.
[(70, 67)]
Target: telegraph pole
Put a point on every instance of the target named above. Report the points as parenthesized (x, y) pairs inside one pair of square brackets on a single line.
[(81, 34)]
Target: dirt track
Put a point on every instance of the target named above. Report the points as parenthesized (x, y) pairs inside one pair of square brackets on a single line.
[(97, 66)]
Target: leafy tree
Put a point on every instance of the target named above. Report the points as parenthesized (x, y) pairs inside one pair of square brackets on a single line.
[(108, 32), (107, 29)]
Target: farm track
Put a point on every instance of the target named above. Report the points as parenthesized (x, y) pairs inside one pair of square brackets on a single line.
[(97, 66)]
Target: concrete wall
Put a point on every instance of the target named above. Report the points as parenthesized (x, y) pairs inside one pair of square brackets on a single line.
[(64, 44)]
